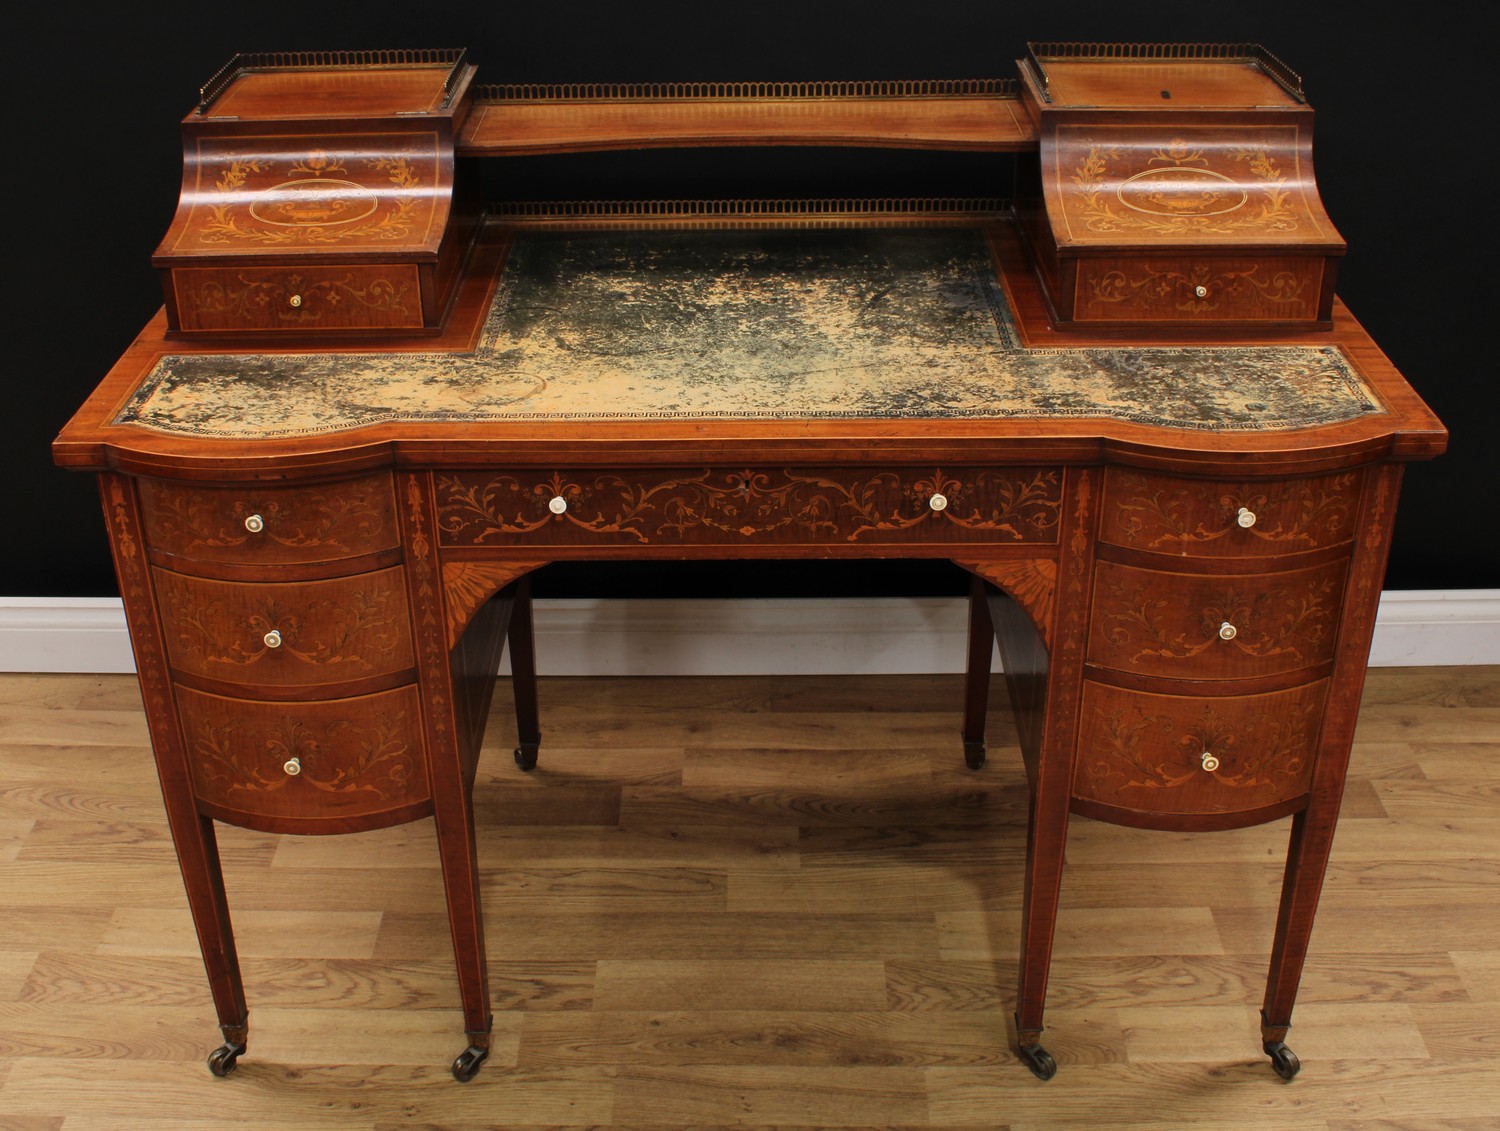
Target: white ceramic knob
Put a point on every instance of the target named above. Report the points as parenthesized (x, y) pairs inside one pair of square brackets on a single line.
[(273, 638), (1210, 763), (293, 766), (558, 505), (1227, 631), (254, 523), (938, 502), (1246, 518), (1200, 291), (295, 301)]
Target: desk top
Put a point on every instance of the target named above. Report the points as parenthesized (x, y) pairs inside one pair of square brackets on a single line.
[(778, 325), (673, 345)]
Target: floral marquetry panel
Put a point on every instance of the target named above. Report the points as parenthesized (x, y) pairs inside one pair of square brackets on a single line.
[(1228, 519), (357, 758), (749, 506), (1181, 754), (1224, 626), (294, 634), (271, 525)]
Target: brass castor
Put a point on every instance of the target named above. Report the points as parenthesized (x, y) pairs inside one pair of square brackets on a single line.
[(1039, 1060), (1283, 1059), (468, 1063), (526, 756), (222, 1061)]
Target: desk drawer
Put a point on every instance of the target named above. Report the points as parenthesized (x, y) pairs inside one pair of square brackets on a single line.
[(379, 296), (1220, 518), (1178, 754), (260, 763), (294, 634), (1226, 626), (1199, 289), (270, 525), (749, 507)]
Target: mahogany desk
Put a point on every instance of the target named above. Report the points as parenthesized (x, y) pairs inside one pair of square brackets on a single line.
[(1179, 531)]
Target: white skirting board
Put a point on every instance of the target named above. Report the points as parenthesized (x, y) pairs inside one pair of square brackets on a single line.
[(748, 637)]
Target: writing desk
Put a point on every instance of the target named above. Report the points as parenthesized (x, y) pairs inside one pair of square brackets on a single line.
[(322, 542)]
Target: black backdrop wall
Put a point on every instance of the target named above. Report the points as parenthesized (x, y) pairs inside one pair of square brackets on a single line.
[(1403, 161)]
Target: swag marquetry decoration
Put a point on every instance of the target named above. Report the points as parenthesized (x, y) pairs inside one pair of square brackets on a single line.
[(333, 755), (251, 301), (1199, 288), (1176, 515), (313, 198), (775, 506), (344, 519), (1178, 193), (1264, 752), (1144, 625), (360, 629)]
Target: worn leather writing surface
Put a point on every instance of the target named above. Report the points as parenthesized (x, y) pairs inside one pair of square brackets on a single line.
[(901, 324)]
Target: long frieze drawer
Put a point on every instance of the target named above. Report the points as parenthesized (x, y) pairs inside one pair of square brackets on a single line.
[(270, 525), (1227, 626), (749, 507), (1228, 518), (361, 297), (1198, 289), (1182, 754), (338, 758), (286, 634)]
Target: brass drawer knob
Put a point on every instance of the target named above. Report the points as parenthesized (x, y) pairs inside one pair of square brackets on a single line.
[(273, 638), (293, 766), (558, 505), (938, 502), (1246, 518), (254, 523), (294, 302), (1227, 631), (1210, 763)]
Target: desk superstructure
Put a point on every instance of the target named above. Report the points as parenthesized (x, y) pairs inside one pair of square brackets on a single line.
[(1129, 405)]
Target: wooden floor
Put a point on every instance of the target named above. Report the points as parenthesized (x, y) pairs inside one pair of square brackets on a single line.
[(751, 903)]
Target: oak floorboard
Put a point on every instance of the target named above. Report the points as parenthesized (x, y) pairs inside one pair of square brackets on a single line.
[(753, 903), (635, 846), (799, 1039), (267, 1094), (162, 1033), (597, 936), (792, 1097), (1090, 931), (110, 982), (964, 806), (718, 985), (313, 933), (1230, 1094), (1480, 972), (15, 970), (404, 1035), (13, 834)]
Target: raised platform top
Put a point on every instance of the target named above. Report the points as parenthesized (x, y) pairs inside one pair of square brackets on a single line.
[(282, 86), (1161, 76), (973, 114)]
